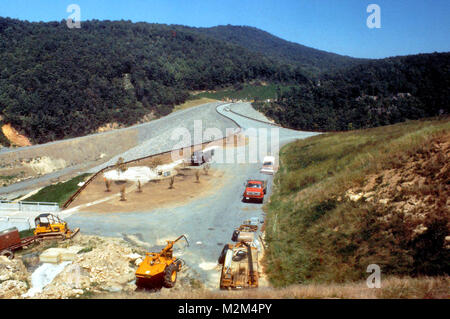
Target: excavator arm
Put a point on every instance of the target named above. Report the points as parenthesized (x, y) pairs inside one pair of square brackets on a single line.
[(170, 244)]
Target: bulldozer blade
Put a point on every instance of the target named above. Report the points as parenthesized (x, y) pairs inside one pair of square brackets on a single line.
[(73, 233)]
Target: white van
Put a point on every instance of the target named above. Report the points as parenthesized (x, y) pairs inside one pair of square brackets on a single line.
[(268, 165)]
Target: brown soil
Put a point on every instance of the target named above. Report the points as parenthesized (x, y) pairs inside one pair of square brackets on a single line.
[(154, 194), (14, 137), (157, 193)]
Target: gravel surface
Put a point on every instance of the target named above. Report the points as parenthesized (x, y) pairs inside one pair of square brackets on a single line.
[(160, 135)]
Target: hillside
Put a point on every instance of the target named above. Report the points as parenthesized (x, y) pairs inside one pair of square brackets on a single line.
[(342, 201), (371, 94), (57, 82), (312, 61)]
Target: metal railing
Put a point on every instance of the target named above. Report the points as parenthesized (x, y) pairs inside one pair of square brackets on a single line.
[(26, 206)]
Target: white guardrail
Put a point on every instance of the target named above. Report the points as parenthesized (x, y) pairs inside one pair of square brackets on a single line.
[(24, 206)]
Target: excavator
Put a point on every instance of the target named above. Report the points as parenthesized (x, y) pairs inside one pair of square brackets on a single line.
[(49, 226), (160, 268)]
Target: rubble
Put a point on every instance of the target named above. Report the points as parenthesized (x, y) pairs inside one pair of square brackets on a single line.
[(107, 267), (14, 278)]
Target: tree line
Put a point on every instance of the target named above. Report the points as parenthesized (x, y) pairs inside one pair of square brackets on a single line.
[(57, 82), (373, 93)]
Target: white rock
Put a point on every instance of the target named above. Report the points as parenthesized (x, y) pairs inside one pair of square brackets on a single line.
[(133, 257), (138, 261)]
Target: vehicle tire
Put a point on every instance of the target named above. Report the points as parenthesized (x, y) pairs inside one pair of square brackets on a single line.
[(7, 253), (235, 235), (170, 276), (221, 259), (179, 264)]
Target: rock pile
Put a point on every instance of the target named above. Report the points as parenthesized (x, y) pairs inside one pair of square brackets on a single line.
[(110, 266), (14, 278)]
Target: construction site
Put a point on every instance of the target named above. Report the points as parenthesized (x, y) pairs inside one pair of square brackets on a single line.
[(141, 205)]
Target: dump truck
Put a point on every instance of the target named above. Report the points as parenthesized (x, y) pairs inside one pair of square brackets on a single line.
[(10, 241), (255, 190), (49, 226), (160, 268)]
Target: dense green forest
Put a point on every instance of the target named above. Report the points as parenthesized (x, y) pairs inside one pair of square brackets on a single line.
[(57, 82), (371, 94), (312, 61)]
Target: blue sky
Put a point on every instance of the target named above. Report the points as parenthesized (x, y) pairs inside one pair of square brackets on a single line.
[(407, 27)]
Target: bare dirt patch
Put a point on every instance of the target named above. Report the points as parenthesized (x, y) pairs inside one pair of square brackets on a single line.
[(14, 136), (418, 185), (154, 194)]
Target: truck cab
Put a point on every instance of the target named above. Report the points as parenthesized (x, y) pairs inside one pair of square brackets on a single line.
[(255, 190)]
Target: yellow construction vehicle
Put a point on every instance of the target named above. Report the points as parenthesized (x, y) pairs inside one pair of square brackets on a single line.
[(160, 268), (240, 266), (49, 226), (240, 261)]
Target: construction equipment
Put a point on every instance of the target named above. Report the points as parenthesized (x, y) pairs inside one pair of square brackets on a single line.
[(10, 241), (245, 232), (240, 266), (160, 268), (49, 226), (240, 261)]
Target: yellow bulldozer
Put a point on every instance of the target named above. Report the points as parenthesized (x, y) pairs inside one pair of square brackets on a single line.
[(49, 226), (160, 268)]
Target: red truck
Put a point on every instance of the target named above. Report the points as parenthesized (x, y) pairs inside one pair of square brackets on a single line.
[(255, 190)]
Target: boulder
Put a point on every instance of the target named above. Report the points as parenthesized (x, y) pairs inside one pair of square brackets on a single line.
[(56, 255)]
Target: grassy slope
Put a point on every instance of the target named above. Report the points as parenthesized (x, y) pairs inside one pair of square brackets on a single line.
[(314, 233), (59, 192), (192, 103), (250, 92)]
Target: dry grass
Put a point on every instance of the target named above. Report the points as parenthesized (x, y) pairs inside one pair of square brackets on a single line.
[(392, 287), (192, 103)]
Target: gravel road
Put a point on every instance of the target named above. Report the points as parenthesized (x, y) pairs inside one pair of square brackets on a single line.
[(208, 222)]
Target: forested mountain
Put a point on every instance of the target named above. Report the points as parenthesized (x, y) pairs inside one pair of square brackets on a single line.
[(57, 82), (312, 61), (371, 94)]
